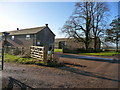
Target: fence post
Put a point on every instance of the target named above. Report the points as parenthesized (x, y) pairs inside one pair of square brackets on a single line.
[(2, 55), (45, 53), (21, 51)]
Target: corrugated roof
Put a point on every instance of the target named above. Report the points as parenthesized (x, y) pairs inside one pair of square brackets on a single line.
[(26, 31)]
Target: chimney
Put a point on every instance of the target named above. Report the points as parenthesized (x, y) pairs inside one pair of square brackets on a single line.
[(46, 25), (17, 28)]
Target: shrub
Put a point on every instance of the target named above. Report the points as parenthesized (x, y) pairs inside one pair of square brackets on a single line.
[(26, 53), (53, 57)]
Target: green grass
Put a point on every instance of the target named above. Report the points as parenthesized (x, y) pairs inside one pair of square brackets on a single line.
[(58, 50), (10, 58), (17, 59), (107, 53)]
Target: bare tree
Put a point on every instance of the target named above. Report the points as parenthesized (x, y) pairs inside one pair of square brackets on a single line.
[(84, 22), (78, 26), (99, 17)]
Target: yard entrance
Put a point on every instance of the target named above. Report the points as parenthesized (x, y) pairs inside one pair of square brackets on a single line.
[(78, 73)]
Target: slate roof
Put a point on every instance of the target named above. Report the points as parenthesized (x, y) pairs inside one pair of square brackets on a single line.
[(26, 31)]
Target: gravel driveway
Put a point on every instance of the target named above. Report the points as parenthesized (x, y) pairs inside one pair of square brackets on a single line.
[(78, 73)]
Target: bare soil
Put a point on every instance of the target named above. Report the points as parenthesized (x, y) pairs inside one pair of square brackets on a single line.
[(78, 73)]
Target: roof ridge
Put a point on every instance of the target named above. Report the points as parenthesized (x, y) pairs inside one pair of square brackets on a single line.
[(26, 29)]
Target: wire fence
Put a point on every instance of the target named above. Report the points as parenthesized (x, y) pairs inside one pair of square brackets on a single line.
[(21, 51)]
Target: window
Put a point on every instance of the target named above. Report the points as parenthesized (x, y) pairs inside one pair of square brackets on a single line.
[(13, 37), (27, 37), (38, 43)]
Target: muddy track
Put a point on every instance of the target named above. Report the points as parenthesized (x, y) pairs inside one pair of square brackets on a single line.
[(78, 73)]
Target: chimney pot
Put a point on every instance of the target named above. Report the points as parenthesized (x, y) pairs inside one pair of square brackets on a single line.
[(17, 28), (46, 25)]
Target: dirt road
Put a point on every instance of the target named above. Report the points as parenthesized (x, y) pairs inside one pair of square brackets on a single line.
[(78, 73)]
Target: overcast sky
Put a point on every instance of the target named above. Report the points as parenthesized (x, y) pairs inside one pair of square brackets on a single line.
[(33, 14)]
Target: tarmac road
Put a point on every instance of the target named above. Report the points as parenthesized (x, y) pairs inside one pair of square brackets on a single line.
[(78, 73)]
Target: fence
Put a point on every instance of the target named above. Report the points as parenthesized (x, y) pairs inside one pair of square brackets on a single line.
[(38, 52), (21, 51), (35, 52)]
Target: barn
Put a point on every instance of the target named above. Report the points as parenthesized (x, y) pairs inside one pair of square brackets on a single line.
[(70, 44)]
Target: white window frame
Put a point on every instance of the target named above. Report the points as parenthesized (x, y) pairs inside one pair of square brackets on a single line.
[(27, 37), (13, 37), (38, 42)]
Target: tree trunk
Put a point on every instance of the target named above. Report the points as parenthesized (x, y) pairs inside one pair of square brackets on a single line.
[(117, 45), (117, 42), (86, 46), (95, 43), (87, 42)]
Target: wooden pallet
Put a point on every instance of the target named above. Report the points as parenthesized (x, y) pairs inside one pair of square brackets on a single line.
[(38, 52)]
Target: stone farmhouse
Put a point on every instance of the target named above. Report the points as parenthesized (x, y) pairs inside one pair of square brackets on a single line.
[(37, 36)]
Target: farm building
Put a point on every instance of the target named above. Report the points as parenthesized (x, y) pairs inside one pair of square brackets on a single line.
[(38, 36), (72, 44)]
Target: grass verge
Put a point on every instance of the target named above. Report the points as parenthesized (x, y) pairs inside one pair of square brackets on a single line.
[(58, 50), (17, 59), (108, 53)]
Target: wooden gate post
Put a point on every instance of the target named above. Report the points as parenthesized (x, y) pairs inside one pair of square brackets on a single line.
[(45, 53)]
